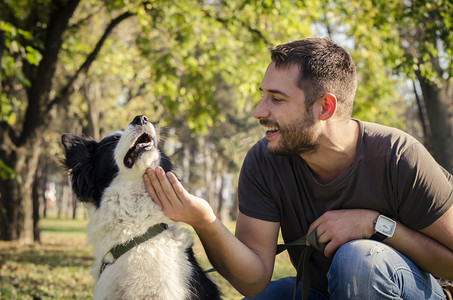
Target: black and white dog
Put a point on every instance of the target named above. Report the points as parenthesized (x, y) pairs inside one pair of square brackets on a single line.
[(137, 255)]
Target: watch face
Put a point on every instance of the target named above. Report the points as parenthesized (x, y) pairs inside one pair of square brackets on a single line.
[(385, 225)]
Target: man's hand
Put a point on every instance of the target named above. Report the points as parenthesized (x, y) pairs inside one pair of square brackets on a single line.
[(249, 271), (337, 227), (176, 203)]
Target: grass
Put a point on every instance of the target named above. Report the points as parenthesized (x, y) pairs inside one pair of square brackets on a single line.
[(59, 267)]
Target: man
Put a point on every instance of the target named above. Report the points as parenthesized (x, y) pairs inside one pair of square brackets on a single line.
[(319, 169)]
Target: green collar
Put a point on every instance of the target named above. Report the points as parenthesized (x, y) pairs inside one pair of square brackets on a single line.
[(120, 249)]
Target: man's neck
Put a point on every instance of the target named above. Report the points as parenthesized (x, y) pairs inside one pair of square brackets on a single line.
[(337, 151)]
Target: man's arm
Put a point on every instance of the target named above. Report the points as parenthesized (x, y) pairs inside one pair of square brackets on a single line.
[(431, 248), (245, 260)]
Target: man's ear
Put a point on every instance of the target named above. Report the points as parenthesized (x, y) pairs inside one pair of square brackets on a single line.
[(329, 106)]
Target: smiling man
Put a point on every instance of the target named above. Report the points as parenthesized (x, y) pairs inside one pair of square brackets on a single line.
[(376, 197)]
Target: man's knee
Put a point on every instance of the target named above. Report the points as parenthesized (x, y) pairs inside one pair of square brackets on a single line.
[(358, 256), (365, 269), (356, 265)]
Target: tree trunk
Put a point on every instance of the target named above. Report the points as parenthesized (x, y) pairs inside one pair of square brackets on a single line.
[(16, 205), (220, 199), (422, 118), (92, 92), (439, 110), (74, 206), (39, 188), (2, 49)]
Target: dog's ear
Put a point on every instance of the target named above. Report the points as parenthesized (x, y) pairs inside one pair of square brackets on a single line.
[(77, 149), (78, 161)]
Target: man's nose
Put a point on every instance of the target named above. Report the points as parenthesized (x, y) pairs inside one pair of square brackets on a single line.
[(261, 110)]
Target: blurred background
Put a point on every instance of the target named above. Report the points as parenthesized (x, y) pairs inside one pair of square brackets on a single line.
[(194, 67)]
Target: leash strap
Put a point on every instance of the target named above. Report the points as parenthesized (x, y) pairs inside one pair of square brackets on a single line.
[(302, 266), (120, 249)]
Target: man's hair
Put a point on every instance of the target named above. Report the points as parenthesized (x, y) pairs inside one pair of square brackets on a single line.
[(324, 67)]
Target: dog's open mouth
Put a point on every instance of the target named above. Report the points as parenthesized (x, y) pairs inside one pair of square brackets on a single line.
[(143, 143)]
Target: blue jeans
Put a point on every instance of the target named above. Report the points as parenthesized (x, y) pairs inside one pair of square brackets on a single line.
[(365, 269)]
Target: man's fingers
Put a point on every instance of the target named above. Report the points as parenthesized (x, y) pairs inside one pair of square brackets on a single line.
[(150, 189), (167, 187), (177, 186), (315, 225), (159, 193)]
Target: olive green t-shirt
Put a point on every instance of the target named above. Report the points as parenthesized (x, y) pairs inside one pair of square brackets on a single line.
[(392, 173)]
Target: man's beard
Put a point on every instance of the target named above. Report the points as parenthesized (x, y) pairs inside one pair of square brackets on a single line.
[(297, 138)]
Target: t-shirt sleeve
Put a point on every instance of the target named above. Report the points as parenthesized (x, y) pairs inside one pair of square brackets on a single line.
[(254, 197), (424, 188)]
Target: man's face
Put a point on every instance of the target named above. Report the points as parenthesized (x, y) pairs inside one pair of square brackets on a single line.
[(290, 128)]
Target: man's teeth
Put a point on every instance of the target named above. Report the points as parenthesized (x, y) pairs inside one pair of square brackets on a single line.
[(272, 128)]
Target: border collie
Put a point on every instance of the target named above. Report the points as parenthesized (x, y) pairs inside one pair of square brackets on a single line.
[(137, 255)]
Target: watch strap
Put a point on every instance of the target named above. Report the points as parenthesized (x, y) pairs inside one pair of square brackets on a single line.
[(377, 236)]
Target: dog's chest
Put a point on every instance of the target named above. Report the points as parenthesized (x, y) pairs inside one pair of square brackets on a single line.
[(156, 269), (126, 211)]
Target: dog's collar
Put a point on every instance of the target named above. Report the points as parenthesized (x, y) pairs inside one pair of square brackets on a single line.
[(120, 249)]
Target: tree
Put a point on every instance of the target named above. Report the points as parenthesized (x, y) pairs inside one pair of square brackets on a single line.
[(187, 58), (177, 78), (426, 36), (193, 65), (34, 36), (412, 39)]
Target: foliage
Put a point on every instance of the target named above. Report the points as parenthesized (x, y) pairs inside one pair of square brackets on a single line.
[(8, 173), (195, 66), (408, 34), (395, 43), (415, 41), (426, 35), (182, 61), (173, 56), (9, 68), (59, 267), (349, 23)]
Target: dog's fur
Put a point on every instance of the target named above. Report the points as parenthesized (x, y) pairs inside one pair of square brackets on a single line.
[(107, 176)]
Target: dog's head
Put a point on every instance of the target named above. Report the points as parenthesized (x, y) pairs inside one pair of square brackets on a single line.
[(93, 165), (137, 147)]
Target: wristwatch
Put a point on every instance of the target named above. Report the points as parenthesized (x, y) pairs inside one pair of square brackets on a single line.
[(383, 229)]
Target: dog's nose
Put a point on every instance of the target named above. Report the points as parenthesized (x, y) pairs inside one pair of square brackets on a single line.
[(140, 120)]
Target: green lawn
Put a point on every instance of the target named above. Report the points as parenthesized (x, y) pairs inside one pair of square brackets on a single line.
[(59, 267)]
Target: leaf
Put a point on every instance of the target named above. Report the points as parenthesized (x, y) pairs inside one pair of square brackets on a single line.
[(33, 55)]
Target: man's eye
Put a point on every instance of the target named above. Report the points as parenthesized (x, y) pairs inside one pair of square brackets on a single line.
[(276, 100)]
